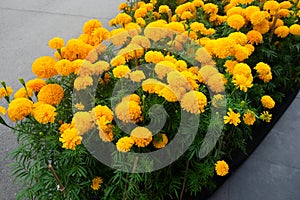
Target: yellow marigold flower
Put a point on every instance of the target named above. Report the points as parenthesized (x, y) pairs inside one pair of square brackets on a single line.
[(98, 35), (76, 65), (238, 37), (79, 106), (249, 118), (218, 101), (64, 127), (186, 15), (100, 67), (206, 72), (271, 6), (96, 183), (103, 112), (160, 141), (263, 27), (175, 26), (141, 136), (236, 21), (171, 59), (282, 31), (118, 36), (137, 76), (232, 118), (19, 108), (203, 56), (210, 8), (128, 111), (163, 68), (112, 22), (168, 93), (124, 144), (242, 52), (242, 82), (258, 17), (150, 85), (197, 26), (43, 113), (2, 110), (242, 69), (82, 82), (141, 41), (230, 64), (266, 116), (132, 97), (118, 60), (123, 6), (90, 25), (23, 93), (154, 56), (133, 29), (51, 94), (76, 49), (131, 51), (56, 43), (192, 80), (267, 101), (83, 122), (198, 3), (284, 13), (140, 13), (36, 84), (70, 138), (234, 11), (224, 47), (249, 10), (121, 71), (221, 168), (163, 9), (44, 67), (105, 133), (264, 71), (295, 29), (181, 65), (254, 36), (140, 21), (285, 5), (215, 83), (194, 102), (156, 30), (64, 67)]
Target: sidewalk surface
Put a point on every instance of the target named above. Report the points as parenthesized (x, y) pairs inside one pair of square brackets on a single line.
[(272, 172)]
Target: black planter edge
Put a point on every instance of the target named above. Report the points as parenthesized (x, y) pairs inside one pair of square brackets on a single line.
[(259, 134)]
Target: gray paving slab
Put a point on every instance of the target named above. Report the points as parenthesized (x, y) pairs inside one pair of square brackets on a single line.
[(298, 96), (221, 193)]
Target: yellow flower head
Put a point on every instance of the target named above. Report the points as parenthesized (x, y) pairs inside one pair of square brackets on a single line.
[(163, 68), (19, 108), (140, 21), (254, 37), (236, 21), (56, 43), (215, 83), (118, 36), (154, 56), (64, 67), (82, 82), (121, 71), (249, 118), (140, 13), (98, 35), (258, 17), (123, 6), (2, 110), (160, 141), (76, 49), (103, 112), (118, 60), (36, 84), (221, 168), (232, 118), (141, 136), (230, 64), (132, 97), (271, 6), (83, 122), (43, 113), (242, 82), (266, 116), (168, 93), (249, 10), (264, 71), (267, 101), (70, 138), (51, 94), (156, 30), (137, 76), (224, 47), (163, 9), (295, 29), (90, 25), (194, 102), (44, 67), (133, 29), (262, 27), (23, 93), (242, 69), (210, 8), (141, 41), (282, 31), (218, 101), (150, 85), (96, 183), (5, 92), (124, 144), (129, 111)]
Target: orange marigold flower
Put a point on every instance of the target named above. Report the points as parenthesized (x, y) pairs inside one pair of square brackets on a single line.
[(43, 113), (140, 13), (70, 138), (224, 47), (249, 118), (263, 27), (295, 29), (123, 6), (282, 31), (36, 84), (254, 36), (141, 136), (90, 25), (267, 101), (124, 144), (98, 35), (230, 64), (56, 43), (19, 108), (96, 183), (168, 93), (44, 67), (285, 5), (232, 118), (51, 94), (215, 83), (194, 102), (160, 140), (221, 168), (236, 21), (64, 67), (133, 29)]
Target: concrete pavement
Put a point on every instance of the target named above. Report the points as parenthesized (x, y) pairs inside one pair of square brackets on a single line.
[(271, 172)]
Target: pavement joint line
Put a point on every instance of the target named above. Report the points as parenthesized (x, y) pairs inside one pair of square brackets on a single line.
[(53, 13), (274, 163)]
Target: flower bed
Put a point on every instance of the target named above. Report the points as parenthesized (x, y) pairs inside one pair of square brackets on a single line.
[(168, 99)]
